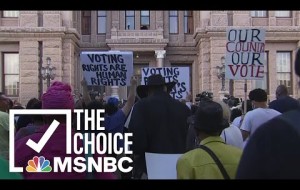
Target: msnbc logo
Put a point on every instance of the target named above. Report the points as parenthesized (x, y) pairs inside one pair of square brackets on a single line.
[(38, 164)]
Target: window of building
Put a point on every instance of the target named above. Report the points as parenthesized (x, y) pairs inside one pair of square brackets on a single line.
[(188, 22), (11, 74), (283, 68), (259, 13), (283, 13), (173, 22), (10, 14), (129, 22), (101, 22), (86, 22), (264, 84), (145, 20)]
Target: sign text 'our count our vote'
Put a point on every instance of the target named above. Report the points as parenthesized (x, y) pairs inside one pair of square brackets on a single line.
[(245, 49)]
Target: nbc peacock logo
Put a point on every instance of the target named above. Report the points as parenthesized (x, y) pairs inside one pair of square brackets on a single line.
[(38, 164)]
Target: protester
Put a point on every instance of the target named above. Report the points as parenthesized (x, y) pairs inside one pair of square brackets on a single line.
[(37, 122), (231, 135), (158, 123), (4, 103), (114, 117), (4, 171), (273, 150), (24, 120), (236, 112), (191, 139), (199, 164), (238, 120), (261, 113), (4, 135), (283, 102), (58, 96)]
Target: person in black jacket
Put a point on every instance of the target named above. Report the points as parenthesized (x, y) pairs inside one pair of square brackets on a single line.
[(158, 122), (283, 102)]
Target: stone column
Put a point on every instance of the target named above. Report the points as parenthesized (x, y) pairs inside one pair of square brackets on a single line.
[(29, 73), (94, 27), (160, 55)]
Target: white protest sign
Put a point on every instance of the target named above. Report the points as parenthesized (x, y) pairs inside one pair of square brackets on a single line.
[(181, 75), (245, 51), (161, 166), (109, 68)]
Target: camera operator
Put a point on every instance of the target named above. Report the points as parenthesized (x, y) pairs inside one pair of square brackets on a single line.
[(231, 101)]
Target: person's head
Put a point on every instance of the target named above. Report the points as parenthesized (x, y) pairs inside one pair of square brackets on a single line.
[(297, 63), (18, 107), (31, 102), (37, 118), (10, 103), (58, 96), (258, 98), (112, 105), (209, 120), (154, 84), (236, 112), (281, 91), (93, 105), (226, 110), (248, 106)]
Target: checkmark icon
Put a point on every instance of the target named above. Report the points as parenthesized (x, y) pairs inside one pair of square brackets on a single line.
[(40, 145)]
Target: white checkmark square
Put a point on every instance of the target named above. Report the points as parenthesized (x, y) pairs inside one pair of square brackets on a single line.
[(39, 145)]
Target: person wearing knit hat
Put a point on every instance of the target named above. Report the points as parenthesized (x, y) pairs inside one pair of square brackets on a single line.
[(58, 96)]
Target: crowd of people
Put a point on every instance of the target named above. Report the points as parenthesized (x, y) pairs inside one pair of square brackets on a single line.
[(217, 139)]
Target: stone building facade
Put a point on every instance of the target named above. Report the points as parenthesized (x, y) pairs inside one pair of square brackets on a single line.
[(194, 39)]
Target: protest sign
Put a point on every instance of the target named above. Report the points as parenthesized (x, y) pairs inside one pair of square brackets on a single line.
[(161, 166), (181, 75), (245, 51), (109, 68)]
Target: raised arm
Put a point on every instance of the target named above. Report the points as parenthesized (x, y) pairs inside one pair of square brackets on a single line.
[(131, 96)]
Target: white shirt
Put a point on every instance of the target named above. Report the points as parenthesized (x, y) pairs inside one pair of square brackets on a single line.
[(232, 135), (237, 121), (255, 118)]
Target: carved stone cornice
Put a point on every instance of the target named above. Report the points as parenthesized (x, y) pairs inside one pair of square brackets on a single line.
[(14, 33)]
